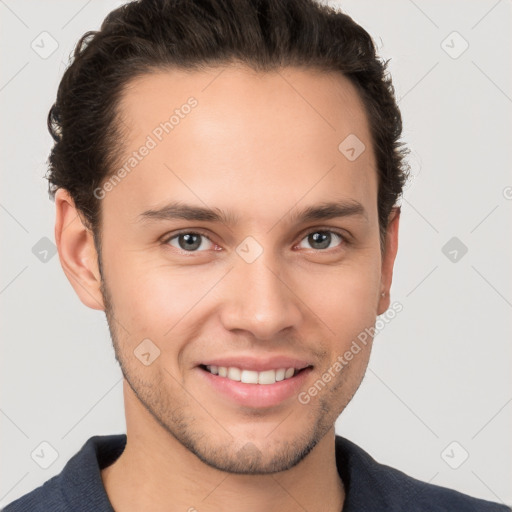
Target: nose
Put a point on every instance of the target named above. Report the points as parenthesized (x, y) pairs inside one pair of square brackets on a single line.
[(260, 300)]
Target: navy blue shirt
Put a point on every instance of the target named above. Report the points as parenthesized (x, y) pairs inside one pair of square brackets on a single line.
[(369, 486)]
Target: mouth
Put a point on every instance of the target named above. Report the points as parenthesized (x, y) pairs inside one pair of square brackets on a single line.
[(265, 377), (250, 388)]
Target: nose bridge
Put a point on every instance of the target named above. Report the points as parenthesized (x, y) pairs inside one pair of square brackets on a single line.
[(259, 299)]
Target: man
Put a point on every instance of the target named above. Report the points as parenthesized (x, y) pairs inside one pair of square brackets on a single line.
[(225, 176)]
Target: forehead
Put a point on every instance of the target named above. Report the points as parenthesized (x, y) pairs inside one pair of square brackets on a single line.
[(253, 137)]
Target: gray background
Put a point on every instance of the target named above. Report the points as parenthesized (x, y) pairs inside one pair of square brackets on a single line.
[(438, 386)]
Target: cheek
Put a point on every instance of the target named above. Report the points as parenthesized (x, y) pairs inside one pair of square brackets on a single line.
[(344, 295), (150, 298)]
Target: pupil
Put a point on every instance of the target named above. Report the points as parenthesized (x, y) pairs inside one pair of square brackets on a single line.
[(189, 243), (320, 237)]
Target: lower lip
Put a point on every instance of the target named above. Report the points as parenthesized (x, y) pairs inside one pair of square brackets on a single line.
[(256, 395)]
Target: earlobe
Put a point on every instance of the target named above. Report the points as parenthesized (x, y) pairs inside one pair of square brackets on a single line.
[(388, 260), (77, 252)]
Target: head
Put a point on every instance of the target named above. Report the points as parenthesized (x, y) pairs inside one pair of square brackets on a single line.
[(201, 150)]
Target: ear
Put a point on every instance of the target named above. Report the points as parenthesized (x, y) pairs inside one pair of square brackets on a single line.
[(77, 253), (388, 259)]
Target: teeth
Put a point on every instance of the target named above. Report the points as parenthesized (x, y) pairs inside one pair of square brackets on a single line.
[(252, 377), (249, 377), (268, 377), (234, 374), (289, 373)]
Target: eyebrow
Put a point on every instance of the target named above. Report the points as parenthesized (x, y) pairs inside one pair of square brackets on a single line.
[(323, 211)]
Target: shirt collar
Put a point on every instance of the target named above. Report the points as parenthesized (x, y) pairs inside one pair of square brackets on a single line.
[(365, 481)]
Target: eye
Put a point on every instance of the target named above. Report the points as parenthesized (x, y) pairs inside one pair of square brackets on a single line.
[(192, 241), (188, 241), (322, 239)]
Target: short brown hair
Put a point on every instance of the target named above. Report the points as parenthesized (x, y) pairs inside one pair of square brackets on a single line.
[(147, 35)]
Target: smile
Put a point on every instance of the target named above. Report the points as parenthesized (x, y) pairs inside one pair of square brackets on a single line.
[(252, 377), (251, 388)]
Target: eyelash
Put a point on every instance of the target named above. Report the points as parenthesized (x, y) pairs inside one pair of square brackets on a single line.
[(344, 239)]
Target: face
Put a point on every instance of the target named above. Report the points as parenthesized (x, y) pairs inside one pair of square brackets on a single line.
[(255, 283)]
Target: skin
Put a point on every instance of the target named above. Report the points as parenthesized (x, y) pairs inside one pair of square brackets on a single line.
[(262, 146)]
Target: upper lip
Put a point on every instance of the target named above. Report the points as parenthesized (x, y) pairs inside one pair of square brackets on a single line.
[(258, 364)]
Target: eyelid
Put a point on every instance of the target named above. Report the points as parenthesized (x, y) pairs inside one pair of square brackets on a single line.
[(192, 231), (330, 229)]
